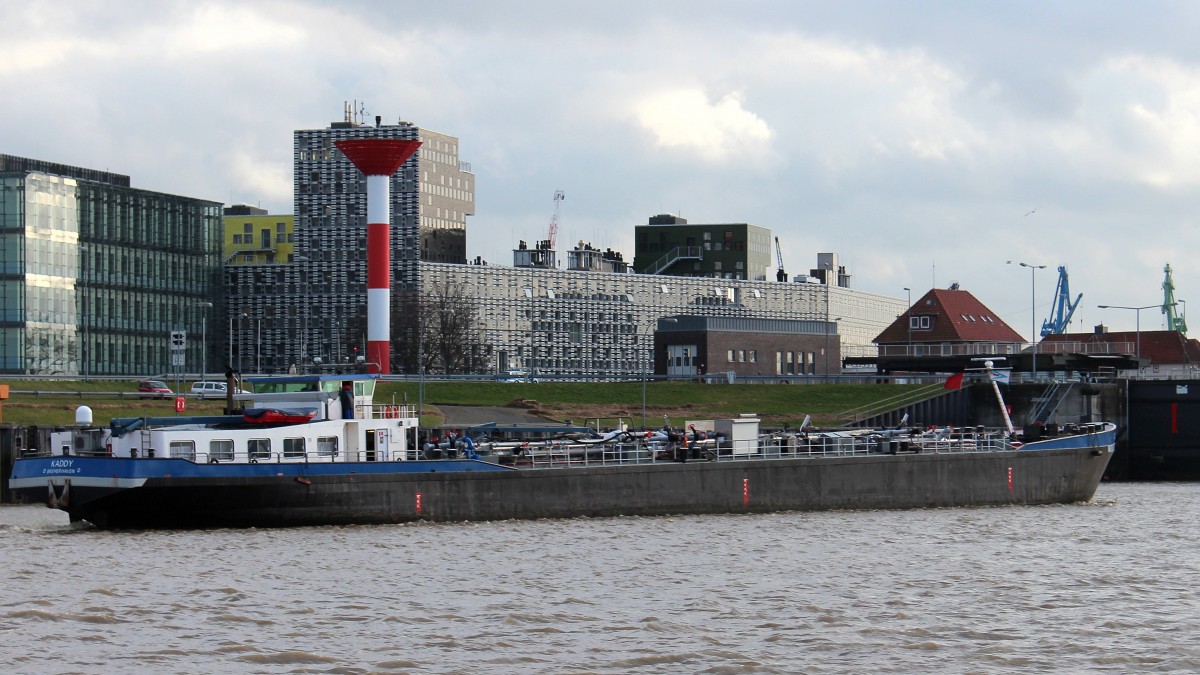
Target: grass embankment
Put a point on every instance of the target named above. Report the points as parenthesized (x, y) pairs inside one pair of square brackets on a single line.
[(776, 405)]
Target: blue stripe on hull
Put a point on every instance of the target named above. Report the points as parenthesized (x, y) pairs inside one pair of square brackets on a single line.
[(1099, 439), (110, 468)]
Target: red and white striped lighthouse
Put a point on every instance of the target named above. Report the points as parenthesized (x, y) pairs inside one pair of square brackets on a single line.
[(378, 159)]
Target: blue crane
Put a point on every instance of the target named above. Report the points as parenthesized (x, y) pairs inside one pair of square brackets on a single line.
[(1063, 307)]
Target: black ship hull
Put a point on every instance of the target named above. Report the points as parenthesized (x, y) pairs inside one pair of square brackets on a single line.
[(295, 497)]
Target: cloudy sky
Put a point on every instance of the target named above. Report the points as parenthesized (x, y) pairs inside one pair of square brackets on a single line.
[(925, 142)]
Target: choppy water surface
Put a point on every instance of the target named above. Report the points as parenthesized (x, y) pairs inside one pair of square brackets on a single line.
[(1107, 586)]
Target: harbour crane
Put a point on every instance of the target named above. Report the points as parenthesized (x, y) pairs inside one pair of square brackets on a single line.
[(780, 275), (1063, 307), (1174, 320), (558, 197)]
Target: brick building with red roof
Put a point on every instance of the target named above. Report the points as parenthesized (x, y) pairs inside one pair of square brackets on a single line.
[(944, 331), (1161, 353)]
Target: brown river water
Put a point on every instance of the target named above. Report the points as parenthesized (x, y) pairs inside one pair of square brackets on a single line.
[(1109, 586)]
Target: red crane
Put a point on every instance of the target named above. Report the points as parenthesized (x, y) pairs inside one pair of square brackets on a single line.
[(558, 197)]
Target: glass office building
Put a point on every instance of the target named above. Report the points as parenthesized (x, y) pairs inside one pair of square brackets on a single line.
[(95, 275)]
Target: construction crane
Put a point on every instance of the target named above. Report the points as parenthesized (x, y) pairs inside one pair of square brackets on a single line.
[(1174, 320), (558, 197), (1063, 307), (780, 275)]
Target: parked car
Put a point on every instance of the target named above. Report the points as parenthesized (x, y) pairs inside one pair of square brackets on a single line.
[(212, 390), (515, 376), (154, 389)]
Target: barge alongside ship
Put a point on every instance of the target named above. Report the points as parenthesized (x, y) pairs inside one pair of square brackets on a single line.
[(356, 462)]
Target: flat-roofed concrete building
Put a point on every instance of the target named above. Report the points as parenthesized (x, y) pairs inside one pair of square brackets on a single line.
[(563, 322), (688, 346)]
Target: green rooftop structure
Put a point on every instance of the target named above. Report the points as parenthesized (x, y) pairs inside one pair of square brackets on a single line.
[(669, 245)]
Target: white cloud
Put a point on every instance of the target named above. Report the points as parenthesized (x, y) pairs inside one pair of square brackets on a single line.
[(686, 119), (261, 180), (217, 29), (1170, 120), (896, 138)]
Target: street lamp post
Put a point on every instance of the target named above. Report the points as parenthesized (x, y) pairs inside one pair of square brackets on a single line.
[(420, 358), (644, 377), (204, 338), (239, 352), (1032, 308), (643, 369), (828, 324), (83, 349), (446, 334), (303, 307), (908, 320), (1137, 324)]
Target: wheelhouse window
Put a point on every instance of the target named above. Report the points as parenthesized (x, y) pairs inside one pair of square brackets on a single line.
[(222, 450), (293, 447), (183, 450)]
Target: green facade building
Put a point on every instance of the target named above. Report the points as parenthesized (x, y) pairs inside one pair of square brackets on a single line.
[(95, 275), (668, 245)]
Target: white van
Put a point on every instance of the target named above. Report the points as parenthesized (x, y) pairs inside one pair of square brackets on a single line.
[(211, 390), (514, 376)]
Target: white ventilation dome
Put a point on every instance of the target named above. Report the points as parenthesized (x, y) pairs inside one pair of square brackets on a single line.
[(83, 416)]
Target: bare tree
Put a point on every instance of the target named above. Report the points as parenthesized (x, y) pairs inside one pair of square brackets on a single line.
[(440, 329)]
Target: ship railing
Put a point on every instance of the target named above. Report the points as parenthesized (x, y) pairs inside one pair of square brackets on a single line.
[(767, 448), (379, 411), (585, 454), (307, 457), (962, 443)]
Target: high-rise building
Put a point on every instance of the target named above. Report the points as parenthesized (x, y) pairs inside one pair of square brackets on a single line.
[(594, 317), (282, 316), (96, 276)]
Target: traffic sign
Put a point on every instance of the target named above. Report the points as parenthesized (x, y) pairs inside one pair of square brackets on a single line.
[(178, 340)]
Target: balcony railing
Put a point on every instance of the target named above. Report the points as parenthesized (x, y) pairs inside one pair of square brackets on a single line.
[(1001, 348)]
